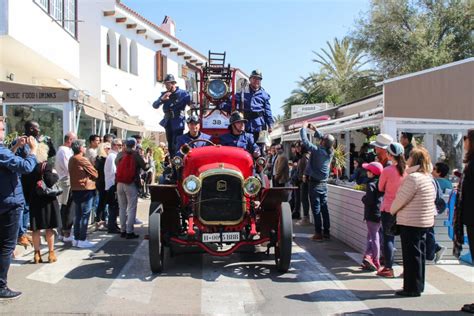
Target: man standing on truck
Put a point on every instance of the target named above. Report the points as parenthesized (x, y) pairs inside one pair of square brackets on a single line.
[(174, 101)]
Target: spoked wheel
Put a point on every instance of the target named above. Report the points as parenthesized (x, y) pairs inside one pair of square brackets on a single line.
[(155, 247), (285, 239)]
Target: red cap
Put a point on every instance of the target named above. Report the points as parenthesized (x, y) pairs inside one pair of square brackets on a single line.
[(375, 167)]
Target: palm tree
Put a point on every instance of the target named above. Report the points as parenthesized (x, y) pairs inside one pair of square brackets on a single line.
[(342, 70)]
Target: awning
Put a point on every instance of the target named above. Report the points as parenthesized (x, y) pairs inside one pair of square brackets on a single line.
[(127, 126), (92, 107), (93, 113), (311, 120)]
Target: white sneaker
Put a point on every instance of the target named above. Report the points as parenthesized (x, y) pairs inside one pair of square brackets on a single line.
[(138, 221), (439, 254), (69, 239), (74, 243), (85, 244)]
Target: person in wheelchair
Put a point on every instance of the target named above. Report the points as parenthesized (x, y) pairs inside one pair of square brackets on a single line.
[(194, 133)]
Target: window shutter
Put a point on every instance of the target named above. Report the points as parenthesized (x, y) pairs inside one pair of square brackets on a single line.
[(159, 66)]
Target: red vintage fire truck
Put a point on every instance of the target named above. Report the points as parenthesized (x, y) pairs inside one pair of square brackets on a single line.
[(221, 201)]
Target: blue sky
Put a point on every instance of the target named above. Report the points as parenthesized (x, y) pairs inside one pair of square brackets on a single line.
[(275, 36)]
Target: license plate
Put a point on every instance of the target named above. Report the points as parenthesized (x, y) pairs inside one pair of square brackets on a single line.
[(216, 237)]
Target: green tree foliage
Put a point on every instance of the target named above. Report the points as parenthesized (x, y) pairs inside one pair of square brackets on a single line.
[(341, 77), (404, 36)]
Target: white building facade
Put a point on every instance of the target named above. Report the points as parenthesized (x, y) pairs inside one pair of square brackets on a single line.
[(39, 57), (124, 59), (92, 67)]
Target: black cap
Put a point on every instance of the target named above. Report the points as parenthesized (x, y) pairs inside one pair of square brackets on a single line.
[(256, 73), (193, 119), (170, 78), (235, 117)]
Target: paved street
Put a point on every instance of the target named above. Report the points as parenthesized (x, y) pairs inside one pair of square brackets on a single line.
[(114, 278)]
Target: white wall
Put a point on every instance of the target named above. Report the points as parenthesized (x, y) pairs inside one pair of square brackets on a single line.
[(134, 92), (34, 29)]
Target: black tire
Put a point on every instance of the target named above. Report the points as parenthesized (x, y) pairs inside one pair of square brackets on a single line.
[(285, 240), (155, 247)]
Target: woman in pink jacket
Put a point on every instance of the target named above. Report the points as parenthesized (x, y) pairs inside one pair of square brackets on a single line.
[(389, 182), (415, 209)]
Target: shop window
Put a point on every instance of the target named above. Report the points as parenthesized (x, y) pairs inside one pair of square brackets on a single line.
[(49, 117), (133, 58), (123, 53)]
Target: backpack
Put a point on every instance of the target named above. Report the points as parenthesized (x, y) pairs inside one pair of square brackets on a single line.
[(439, 201), (126, 169)]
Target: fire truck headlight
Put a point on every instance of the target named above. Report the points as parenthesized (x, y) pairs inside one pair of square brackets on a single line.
[(252, 186), (177, 162), (217, 89), (191, 185)]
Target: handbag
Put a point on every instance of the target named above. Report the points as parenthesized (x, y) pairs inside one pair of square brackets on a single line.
[(394, 228), (42, 190)]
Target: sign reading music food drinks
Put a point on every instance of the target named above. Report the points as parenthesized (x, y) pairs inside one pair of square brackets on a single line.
[(17, 93)]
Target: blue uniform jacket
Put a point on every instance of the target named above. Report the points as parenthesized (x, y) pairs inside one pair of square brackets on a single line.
[(244, 140), (173, 109), (186, 138), (320, 159), (257, 109), (11, 166)]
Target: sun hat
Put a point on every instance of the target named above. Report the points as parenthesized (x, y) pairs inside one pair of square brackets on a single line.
[(375, 167), (395, 149), (382, 141)]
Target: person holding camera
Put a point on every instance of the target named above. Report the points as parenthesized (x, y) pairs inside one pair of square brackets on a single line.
[(44, 209), (12, 202), (317, 172)]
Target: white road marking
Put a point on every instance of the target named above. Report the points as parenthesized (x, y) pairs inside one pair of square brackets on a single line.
[(135, 281), (331, 295), (68, 261), (397, 282), (461, 270), (226, 295)]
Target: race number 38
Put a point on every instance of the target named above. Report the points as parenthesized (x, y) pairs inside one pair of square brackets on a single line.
[(215, 120)]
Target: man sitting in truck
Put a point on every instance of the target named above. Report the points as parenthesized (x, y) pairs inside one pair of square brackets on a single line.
[(238, 137)]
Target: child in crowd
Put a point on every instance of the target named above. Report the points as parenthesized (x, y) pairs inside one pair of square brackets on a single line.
[(372, 200)]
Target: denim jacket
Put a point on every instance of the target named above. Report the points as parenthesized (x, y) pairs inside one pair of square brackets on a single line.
[(11, 166)]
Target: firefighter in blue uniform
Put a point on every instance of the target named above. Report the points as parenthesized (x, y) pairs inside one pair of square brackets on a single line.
[(256, 104), (193, 134), (238, 137), (174, 101)]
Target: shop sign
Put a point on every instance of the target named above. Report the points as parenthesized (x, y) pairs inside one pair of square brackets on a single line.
[(306, 109), (18, 93)]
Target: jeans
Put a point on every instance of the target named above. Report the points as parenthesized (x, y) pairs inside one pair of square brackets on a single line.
[(388, 240), (113, 208), (304, 191), (81, 219), (373, 241), (24, 220), (171, 139), (318, 195), (100, 210), (470, 239), (9, 222), (432, 247), (127, 195), (296, 197), (413, 251)]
